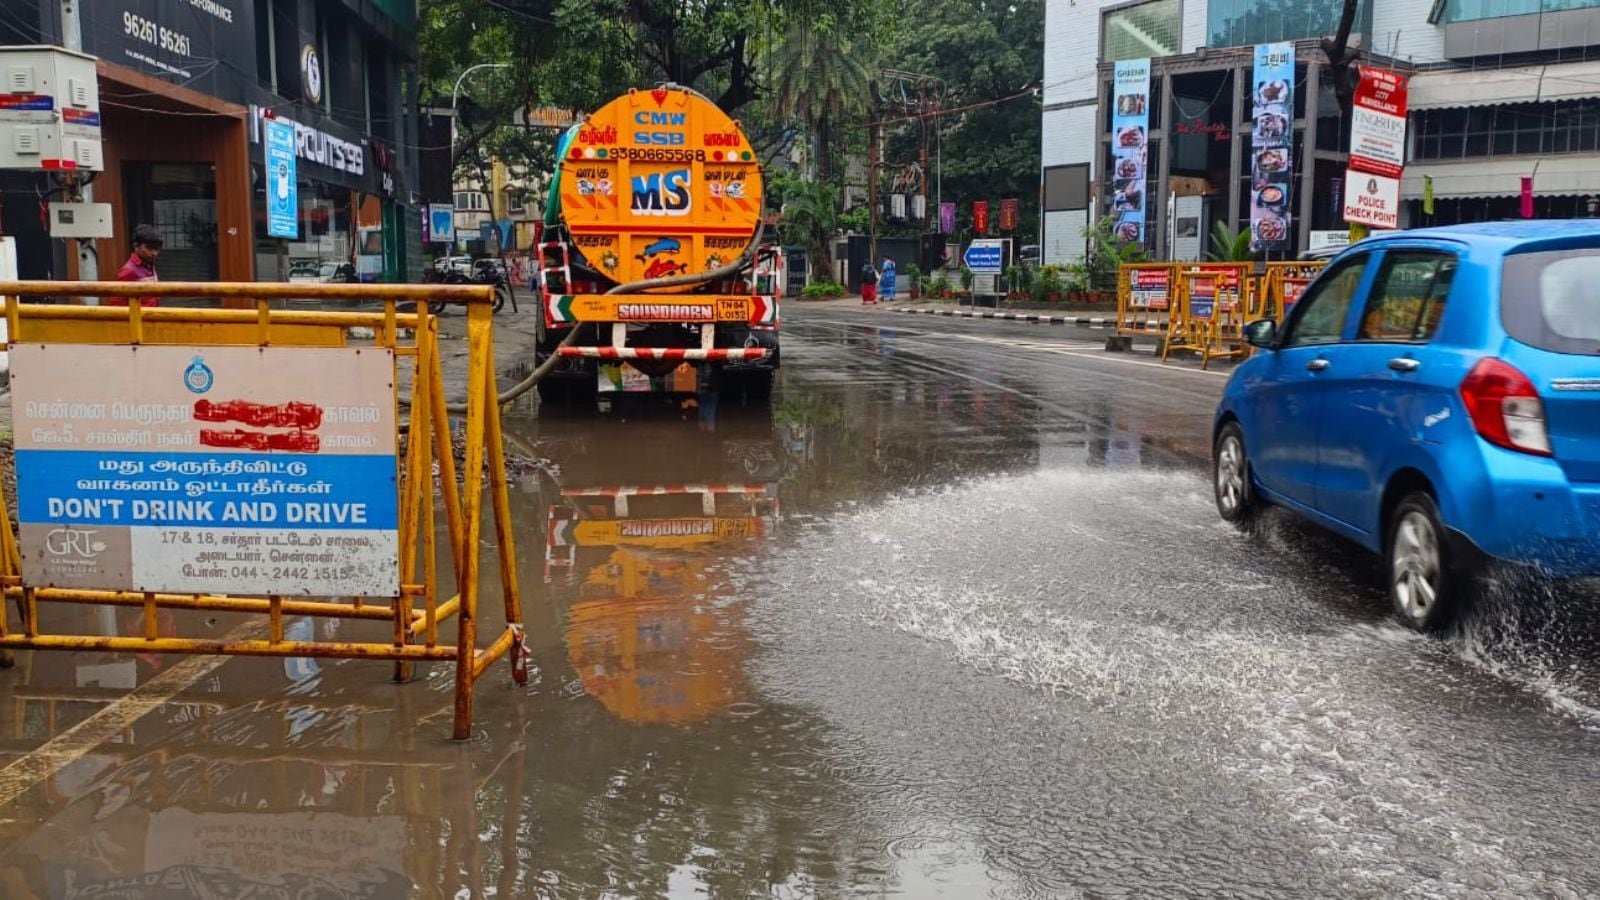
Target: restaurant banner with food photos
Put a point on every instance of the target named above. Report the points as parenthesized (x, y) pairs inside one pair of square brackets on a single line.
[(1272, 147), (1130, 125)]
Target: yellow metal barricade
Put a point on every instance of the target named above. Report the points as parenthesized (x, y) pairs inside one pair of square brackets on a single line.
[(218, 466), (1283, 284), (1145, 296), (1209, 313)]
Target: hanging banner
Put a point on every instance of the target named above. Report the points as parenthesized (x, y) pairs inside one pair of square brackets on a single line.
[(283, 186), (980, 216), (1378, 123), (1272, 144), (1130, 126), (947, 218), (1527, 197), (1008, 214)]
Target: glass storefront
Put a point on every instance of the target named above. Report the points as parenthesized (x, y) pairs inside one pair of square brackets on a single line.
[(328, 238), (1242, 23), (1472, 10)]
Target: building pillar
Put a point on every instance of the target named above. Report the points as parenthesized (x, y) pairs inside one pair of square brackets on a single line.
[(1164, 178), (1241, 142), (1308, 155)]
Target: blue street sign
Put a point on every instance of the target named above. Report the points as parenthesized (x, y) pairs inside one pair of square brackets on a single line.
[(283, 194), (984, 257)]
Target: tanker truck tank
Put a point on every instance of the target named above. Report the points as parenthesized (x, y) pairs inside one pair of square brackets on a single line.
[(654, 254)]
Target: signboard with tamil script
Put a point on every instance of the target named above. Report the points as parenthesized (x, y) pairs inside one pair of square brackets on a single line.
[(240, 470)]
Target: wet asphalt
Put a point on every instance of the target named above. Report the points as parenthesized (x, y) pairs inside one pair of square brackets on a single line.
[(952, 616)]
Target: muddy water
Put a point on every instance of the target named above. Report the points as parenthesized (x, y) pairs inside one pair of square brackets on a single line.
[(926, 626)]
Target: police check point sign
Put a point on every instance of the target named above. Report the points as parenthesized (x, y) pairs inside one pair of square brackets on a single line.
[(984, 257)]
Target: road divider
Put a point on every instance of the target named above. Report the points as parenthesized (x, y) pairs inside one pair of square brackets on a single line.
[(1155, 326)]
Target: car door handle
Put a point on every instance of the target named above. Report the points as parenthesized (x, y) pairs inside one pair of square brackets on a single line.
[(1405, 364), (1317, 365)]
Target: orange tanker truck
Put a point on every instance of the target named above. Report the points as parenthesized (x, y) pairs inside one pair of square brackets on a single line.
[(652, 270)]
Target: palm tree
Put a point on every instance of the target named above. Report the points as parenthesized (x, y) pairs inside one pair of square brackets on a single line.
[(810, 215), (819, 79)]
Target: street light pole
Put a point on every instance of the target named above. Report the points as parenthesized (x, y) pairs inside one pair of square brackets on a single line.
[(455, 95)]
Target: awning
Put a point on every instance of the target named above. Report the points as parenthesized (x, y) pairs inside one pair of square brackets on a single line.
[(1490, 87), (1553, 176)]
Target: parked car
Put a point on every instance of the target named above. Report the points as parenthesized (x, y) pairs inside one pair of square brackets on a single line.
[(1029, 255), (1434, 396), (461, 265), (304, 271), (337, 273)]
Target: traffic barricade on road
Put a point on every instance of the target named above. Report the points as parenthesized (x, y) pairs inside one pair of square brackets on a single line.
[(1145, 296), (251, 461), (1283, 284), (1207, 318)]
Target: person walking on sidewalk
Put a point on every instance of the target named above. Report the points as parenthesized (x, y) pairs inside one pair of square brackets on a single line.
[(141, 266), (886, 284), (869, 283)]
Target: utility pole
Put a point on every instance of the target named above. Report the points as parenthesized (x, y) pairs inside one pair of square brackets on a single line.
[(872, 189), (88, 258)]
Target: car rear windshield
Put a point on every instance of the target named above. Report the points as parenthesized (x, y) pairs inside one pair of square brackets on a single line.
[(1551, 299)]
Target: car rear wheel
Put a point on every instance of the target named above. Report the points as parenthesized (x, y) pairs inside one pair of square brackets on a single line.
[(1425, 590), (1236, 500)]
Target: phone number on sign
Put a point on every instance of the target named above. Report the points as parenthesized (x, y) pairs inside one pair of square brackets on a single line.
[(141, 29)]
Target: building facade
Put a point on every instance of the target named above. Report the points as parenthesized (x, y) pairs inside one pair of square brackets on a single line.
[(1500, 90), (185, 87)]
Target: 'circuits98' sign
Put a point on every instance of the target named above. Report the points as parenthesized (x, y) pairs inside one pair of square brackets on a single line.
[(238, 470)]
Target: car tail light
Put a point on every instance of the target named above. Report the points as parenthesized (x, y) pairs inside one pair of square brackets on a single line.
[(1505, 408)]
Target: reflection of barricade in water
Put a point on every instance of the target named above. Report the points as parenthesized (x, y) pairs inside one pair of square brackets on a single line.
[(646, 634), (289, 346)]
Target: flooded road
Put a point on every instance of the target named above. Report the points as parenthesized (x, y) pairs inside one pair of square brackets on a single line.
[(953, 616)]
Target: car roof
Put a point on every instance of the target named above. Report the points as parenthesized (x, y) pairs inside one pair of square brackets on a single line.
[(1503, 236)]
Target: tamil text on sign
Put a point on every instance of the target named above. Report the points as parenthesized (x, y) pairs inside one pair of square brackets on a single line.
[(242, 470)]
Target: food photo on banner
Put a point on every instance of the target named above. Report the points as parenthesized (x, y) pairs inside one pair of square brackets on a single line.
[(1130, 126), (1272, 145)]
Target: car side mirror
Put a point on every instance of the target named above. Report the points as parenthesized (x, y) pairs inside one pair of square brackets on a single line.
[(1262, 333)]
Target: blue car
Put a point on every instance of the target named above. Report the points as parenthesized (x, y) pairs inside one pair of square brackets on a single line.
[(1434, 396)]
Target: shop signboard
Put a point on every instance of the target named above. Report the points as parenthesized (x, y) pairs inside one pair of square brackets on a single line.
[(1272, 146), (179, 40), (1372, 200), (188, 470), (442, 223), (1130, 126), (1378, 123), (283, 185)]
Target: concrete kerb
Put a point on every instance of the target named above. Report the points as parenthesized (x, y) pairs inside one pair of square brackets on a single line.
[(1037, 318)]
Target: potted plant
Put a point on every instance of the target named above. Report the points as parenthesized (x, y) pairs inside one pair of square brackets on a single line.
[(1075, 282), (914, 276), (1047, 287), (1108, 252)]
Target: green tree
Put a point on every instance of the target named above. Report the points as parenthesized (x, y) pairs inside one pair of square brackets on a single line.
[(989, 58), (809, 218), (820, 79)]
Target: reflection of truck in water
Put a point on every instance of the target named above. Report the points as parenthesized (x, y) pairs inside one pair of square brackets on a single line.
[(653, 625), (652, 272)]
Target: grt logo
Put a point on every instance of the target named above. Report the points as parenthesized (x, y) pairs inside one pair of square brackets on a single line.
[(73, 542)]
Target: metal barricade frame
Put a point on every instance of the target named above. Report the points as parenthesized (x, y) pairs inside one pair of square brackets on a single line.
[(1280, 279), (426, 441), (1135, 315)]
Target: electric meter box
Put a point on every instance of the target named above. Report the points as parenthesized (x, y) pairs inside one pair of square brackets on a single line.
[(49, 110)]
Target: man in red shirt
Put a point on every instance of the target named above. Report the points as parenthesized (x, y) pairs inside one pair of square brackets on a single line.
[(141, 266)]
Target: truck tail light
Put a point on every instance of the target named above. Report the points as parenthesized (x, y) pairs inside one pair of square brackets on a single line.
[(1505, 408)]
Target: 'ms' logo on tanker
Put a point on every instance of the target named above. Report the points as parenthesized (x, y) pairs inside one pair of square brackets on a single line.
[(662, 193)]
